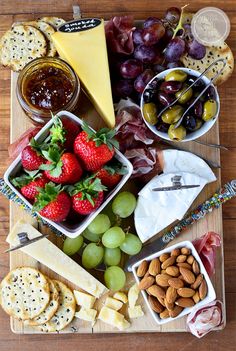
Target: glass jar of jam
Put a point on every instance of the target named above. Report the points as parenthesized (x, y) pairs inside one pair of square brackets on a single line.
[(47, 85)]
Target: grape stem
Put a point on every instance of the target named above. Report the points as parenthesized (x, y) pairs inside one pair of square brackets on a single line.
[(126, 230), (179, 25)]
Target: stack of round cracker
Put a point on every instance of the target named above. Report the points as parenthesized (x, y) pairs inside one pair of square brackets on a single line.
[(30, 296), (27, 41)]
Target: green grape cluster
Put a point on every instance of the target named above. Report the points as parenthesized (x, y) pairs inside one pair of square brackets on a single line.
[(107, 241)]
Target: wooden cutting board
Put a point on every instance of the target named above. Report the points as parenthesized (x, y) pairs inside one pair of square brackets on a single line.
[(213, 222)]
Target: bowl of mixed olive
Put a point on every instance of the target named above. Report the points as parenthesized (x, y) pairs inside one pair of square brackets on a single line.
[(168, 86)]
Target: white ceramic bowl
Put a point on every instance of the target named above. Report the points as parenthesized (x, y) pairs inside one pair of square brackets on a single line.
[(66, 228), (204, 128), (211, 295)]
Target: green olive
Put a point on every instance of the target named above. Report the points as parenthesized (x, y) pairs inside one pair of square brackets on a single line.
[(186, 96), (172, 114), (150, 113), (209, 110), (178, 75), (198, 124), (177, 134)]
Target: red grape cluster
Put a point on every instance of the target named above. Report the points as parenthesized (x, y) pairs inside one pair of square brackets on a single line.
[(156, 48)]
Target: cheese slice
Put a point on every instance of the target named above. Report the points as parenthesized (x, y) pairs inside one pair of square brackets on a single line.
[(82, 43), (84, 300), (51, 256), (114, 318), (86, 314), (113, 303)]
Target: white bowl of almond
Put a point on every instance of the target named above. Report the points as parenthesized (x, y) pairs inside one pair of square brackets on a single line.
[(173, 282)]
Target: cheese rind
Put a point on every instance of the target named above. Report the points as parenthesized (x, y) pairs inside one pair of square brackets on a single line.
[(84, 300), (51, 256), (86, 52), (113, 303), (86, 314), (114, 318)]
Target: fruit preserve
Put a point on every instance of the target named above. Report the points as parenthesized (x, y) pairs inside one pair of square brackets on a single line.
[(47, 85)]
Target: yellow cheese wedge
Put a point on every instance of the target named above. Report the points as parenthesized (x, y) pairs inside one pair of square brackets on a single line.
[(83, 299), (86, 314), (113, 303), (114, 318), (121, 296), (51, 256), (84, 48)]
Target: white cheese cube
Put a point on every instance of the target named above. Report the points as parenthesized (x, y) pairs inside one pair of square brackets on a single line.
[(113, 303), (83, 299), (114, 318), (135, 312), (121, 296), (86, 314), (133, 295)]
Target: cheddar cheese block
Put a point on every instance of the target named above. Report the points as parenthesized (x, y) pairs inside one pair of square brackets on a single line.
[(51, 256), (82, 43)]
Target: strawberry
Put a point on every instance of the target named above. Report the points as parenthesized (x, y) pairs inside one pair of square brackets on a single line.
[(31, 156), (110, 175), (61, 168), (53, 202), (87, 195), (29, 183), (64, 131), (95, 149)]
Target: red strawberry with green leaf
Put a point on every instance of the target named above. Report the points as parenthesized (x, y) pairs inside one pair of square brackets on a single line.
[(95, 149), (29, 183), (64, 131), (87, 195), (110, 175), (62, 168), (31, 156), (53, 202)]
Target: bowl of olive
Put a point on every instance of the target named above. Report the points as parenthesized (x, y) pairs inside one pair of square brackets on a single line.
[(170, 85)]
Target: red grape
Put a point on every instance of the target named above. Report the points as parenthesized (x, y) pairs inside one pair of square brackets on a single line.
[(165, 99), (153, 34), (123, 88), (142, 80), (150, 21), (131, 68), (171, 87), (146, 54), (158, 68), (172, 15), (175, 49), (138, 36), (196, 50)]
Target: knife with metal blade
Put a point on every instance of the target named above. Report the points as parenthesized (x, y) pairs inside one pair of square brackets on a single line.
[(175, 187)]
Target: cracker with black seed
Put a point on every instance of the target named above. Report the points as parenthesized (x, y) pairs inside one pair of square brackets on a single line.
[(20, 45), (65, 312), (50, 310), (24, 293), (212, 54), (54, 21)]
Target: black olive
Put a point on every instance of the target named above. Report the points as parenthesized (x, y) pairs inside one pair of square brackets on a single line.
[(149, 95), (189, 122)]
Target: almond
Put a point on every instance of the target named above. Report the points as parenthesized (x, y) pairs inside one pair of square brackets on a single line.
[(146, 274), (175, 252), (169, 262), (176, 311), (163, 271), (155, 304), (196, 297), (188, 276), (195, 267), (185, 251), (185, 292), (197, 282), (162, 301), (171, 294), (190, 259), (154, 267), (146, 282), (164, 257), (169, 306), (176, 283), (162, 279), (173, 271), (203, 289), (142, 269), (164, 314), (181, 258), (185, 302), (185, 265), (156, 291)]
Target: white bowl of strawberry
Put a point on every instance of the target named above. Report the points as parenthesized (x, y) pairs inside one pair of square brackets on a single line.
[(68, 173)]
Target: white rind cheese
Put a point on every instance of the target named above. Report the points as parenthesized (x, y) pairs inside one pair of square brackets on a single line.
[(51, 256)]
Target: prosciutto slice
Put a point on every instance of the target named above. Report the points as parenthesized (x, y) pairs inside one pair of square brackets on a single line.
[(119, 32), (206, 247), (205, 319)]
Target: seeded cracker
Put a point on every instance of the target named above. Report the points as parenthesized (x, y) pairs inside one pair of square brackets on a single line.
[(54, 21), (21, 45), (50, 310), (65, 312), (24, 293)]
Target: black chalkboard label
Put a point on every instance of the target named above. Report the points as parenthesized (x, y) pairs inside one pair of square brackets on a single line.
[(79, 25)]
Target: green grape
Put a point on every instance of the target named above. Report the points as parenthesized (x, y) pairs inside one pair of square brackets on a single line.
[(92, 256), (91, 236), (108, 211), (114, 278), (112, 256), (124, 204), (100, 224), (113, 237), (71, 246), (131, 245)]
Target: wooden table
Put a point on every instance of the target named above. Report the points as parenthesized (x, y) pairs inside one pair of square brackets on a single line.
[(11, 11)]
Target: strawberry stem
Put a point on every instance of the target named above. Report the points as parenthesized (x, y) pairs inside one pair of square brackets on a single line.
[(46, 195)]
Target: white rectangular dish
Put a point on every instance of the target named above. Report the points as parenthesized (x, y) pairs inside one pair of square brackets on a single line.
[(211, 295), (67, 229)]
